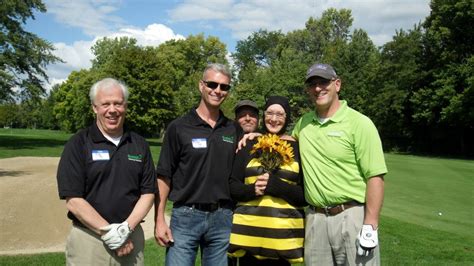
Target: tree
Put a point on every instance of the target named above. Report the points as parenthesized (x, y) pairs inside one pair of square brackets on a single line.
[(23, 55), (272, 63), (181, 66), (9, 115), (72, 107), (257, 51), (399, 75), (443, 105), (162, 81)]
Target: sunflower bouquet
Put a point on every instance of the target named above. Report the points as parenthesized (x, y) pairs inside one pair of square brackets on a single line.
[(272, 151)]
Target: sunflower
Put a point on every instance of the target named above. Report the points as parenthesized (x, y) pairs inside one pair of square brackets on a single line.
[(272, 151)]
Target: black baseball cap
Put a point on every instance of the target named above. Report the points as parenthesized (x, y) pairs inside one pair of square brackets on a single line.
[(321, 70), (246, 103)]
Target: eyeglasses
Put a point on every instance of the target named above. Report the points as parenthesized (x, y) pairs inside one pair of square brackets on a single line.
[(318, 82), (213, 85), (269, 114)]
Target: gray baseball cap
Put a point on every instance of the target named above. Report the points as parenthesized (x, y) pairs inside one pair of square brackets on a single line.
[(321, 70), (248, 103)]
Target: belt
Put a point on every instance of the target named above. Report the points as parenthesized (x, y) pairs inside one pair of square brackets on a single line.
[(207, 207), (335, 209)]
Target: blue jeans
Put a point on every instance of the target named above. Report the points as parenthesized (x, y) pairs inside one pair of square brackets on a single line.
[(192, 229)]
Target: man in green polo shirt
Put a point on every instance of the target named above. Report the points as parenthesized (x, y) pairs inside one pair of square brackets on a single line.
[(343, 166)]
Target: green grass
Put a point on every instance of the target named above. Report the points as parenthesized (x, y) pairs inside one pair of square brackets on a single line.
[(154, 256), (419, 189), (412, 232), (405, 243), (401, 244), (44, 143), (31, 142)]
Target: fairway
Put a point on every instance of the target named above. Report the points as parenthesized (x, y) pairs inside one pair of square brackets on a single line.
[(412, 231), (31, 142), (431, 192)]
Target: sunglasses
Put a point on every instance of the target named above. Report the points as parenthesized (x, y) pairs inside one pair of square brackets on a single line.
[(318, 82), (213, 85)]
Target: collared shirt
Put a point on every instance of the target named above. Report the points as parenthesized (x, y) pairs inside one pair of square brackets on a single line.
[(198, 158), (338, 156), (111, 178)]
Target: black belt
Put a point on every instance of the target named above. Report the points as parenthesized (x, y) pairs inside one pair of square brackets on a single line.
[(335, 209), (206, 207)]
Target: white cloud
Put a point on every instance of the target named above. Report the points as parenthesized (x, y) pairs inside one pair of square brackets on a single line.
[(380, 18), (79, 55), (152, 35), (91, 16)]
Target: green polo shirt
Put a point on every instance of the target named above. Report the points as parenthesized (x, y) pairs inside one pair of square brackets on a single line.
[(338, 156)]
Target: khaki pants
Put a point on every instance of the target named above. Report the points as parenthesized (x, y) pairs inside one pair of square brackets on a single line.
[(84, 247), (331, 240)]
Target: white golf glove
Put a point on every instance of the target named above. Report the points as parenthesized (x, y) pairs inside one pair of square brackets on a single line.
[(367, 240), (116, 234)]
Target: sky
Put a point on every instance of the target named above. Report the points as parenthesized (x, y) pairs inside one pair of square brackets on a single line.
[(74, 26)]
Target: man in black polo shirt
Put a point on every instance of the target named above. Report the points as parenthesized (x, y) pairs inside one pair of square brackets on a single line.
[(193, 171), (107, 178)]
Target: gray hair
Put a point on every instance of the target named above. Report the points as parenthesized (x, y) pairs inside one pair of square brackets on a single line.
[(107, 83), (221, 68)]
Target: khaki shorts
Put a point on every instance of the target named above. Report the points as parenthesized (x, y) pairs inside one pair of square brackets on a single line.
[(84, 247), (331, 240)]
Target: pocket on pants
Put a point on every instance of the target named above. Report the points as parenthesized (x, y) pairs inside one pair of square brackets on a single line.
[(181, 218)]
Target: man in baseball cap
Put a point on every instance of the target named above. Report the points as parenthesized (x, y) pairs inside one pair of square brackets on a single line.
[(343, 168), (246, 114)]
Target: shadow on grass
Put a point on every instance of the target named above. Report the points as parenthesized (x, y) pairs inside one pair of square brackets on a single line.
[(21, 142)]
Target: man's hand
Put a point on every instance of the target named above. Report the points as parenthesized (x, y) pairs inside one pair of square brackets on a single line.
[(125, 249), (116, 234), (261, 184), (243, 141), (163, 235), (367, 240)]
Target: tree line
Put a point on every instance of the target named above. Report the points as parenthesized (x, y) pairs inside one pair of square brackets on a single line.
[(418, 88)]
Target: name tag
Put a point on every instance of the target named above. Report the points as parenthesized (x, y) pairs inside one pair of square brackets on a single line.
[(100, 155), (199, 143)]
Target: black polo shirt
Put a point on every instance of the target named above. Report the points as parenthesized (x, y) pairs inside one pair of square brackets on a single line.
[(111, 178), (198, 158)]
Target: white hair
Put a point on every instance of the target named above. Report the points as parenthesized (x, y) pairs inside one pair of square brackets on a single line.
[(220, 68), (107, 83)]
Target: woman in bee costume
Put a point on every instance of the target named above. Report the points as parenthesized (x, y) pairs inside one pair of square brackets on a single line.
[(268, 222)]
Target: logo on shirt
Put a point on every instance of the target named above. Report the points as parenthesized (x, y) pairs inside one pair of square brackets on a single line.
[(229, 139), (135, 158), (335, 133)]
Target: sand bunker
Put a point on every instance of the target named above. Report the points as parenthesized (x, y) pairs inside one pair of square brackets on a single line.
[(32, 217)]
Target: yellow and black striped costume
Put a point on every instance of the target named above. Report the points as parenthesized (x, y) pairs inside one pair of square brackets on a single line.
[(267, 227)]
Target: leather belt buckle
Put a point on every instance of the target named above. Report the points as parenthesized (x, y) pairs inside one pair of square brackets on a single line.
[(333, 210)]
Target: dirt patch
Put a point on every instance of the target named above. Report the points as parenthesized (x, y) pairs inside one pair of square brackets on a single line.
[(33, 218)]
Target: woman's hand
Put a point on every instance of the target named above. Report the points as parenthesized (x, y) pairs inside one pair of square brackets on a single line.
[(261, 184)]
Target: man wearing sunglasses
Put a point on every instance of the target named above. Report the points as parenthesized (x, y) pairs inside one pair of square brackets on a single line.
[(193, 171), (343, 167)]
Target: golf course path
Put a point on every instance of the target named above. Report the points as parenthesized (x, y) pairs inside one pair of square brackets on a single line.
[(32, 217)]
